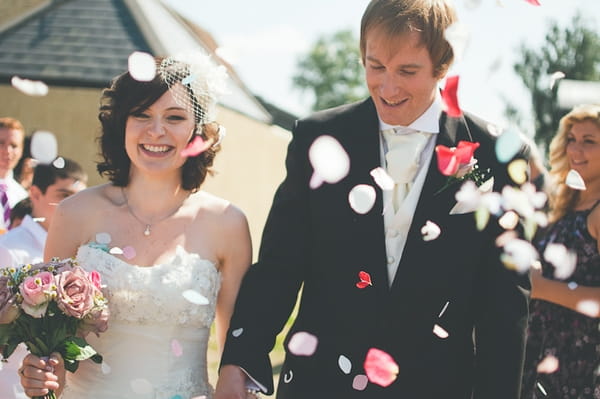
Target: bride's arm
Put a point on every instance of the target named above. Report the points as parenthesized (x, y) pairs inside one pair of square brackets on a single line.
[(235, 260)]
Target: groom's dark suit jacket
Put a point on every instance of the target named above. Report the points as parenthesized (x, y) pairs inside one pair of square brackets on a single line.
[(314, 240)]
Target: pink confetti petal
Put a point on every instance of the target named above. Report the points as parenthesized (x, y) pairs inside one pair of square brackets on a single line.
[(176, 348), (440, 332), (303, 344), (129, 252), (534, 2), (450, 97), (548, 365), (34, 88), (360, 382), (196, 147), (380, 367)]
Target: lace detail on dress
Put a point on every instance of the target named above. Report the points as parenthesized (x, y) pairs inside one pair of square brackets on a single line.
[(153, 294)]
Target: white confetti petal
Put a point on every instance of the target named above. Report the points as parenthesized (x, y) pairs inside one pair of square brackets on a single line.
[(360, 382), (541, 388), (303, 344), (509, 220), (440, 332), (382, 179), (141, 386), (329, 161), (548, 365), (362, 198), (115, 251), (574, 180), (106, 369), (34, 88), (563, 260), (345, 364), (430, 231), (103, 238), (555, 77), (444, 309), (572, 285), (288, 377), (237, 332), (588, 307), (142, 66), (59, 163), (195, 297), (44, 147), (519, 255)]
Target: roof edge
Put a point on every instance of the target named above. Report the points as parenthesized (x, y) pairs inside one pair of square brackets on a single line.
[(148, 33), (24, 17)]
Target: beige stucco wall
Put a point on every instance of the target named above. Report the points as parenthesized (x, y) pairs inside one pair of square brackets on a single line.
[(249, 167)]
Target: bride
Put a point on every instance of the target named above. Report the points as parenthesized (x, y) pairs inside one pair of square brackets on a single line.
[(172, 257)]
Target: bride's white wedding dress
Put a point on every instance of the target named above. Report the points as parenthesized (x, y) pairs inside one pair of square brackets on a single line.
[(156, 342)]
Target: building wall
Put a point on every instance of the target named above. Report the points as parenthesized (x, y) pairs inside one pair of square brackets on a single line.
[(248, 169)]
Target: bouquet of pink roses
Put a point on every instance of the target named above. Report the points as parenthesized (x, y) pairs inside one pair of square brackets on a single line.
[(51, 307)]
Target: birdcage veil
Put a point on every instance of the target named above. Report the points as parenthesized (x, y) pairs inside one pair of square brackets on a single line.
[(196, 82)]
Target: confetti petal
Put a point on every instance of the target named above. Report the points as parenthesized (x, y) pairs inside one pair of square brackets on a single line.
[(142, 66), (176, 348), (380, 367), (574, 180), (115, 251), (440, 332), (35, 88), (517, 170), (365, 280), (588, 307), (196, 147), (533, 2), (430, 231), (329, 161), (303, 344), (129, 252), (362, 198), (444, 309), (237, 332), (508, 144), (450, 97), (519, 255), (509, 220), (59, 163), (106, 369), (360, 382), (548, 365), (103, 238), (563, 260), (195, 297), (288, 377), (44, 147), (141, 386), (555, 77), (572, 285), (382, 179), (344, 364)]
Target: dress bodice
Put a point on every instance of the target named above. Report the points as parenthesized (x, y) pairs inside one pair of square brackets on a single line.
[(157, 337)]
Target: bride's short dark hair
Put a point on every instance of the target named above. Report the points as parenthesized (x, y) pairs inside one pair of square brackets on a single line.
[(126, 96)]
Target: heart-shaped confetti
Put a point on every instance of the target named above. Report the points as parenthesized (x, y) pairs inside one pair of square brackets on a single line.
[(360, 382), (574, 180), (362, 198), (329, 160), (44, 147), (129, 252), (303, 344), (176, 348), (142, 66), (195, 297), (517, 170), (430, 231), (344, 364), (364, 280), (103, 238), (59, 163), (380, 367), (35, 88), (440, 332), (237, 332)]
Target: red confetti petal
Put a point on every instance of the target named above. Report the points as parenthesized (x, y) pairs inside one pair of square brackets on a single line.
[(196, 147), (380, 367), (446, 160), (450, 98), (365, 280)]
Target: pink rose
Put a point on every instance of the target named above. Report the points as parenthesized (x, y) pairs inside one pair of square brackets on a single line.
[(9, 310), (456, 161), (37, 291), (95, 279), (96, 321), (75, 292)]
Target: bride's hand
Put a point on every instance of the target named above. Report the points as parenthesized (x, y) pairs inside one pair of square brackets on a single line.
[(39, 376)]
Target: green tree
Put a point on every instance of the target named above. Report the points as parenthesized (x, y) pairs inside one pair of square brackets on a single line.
[(575, 51), (332, 71)]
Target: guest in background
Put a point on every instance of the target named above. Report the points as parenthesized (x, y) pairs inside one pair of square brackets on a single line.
[(19, 211), (25, 166), (562, 348), (12, 135)]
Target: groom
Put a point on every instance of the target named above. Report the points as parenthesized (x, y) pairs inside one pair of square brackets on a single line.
[(316, 244)]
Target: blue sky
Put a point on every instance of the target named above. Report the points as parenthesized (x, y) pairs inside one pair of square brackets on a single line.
[(264, 38)]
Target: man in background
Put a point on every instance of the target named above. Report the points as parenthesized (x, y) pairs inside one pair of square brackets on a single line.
[(12, 135)]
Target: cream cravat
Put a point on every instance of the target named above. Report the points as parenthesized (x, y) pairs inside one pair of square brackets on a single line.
[(403, 152)]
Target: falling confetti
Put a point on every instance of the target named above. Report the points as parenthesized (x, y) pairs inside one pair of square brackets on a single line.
[(176, 348), (563, 260), (344, 364), (142, 66), (44, 147), (572, 285), (129, 252), (430, 231), (380, 367), (440, 332), (195, 297), (509, 143), (115, 251), (365, 280), (382, 179), (517, 170), (141, 386), (548, 365), (360, 382), (329, 161), (444, 309), (288, 377), (106, 369), (450, 97), (588, 307), (509, 220), (541, 388), (533, 2), (103, 238), (519, 255), (196, 147), (362, 198), (237, 332), (303, 344), (59, 163), (34, 88), (574, 180), (555, 77), (457, 35)]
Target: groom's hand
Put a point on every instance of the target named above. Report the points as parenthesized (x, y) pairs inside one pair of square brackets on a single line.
[(231, 383)]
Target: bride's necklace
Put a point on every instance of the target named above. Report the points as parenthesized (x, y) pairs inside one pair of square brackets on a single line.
[(147, 230)]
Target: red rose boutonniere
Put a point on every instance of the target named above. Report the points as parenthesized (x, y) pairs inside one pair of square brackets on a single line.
[(459, 164)]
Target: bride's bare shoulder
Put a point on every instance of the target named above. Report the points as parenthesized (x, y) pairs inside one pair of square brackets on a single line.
[(92, 200), (217, 206)]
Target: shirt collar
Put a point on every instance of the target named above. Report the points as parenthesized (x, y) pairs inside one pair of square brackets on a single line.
[(428, 122), (36, 229)]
